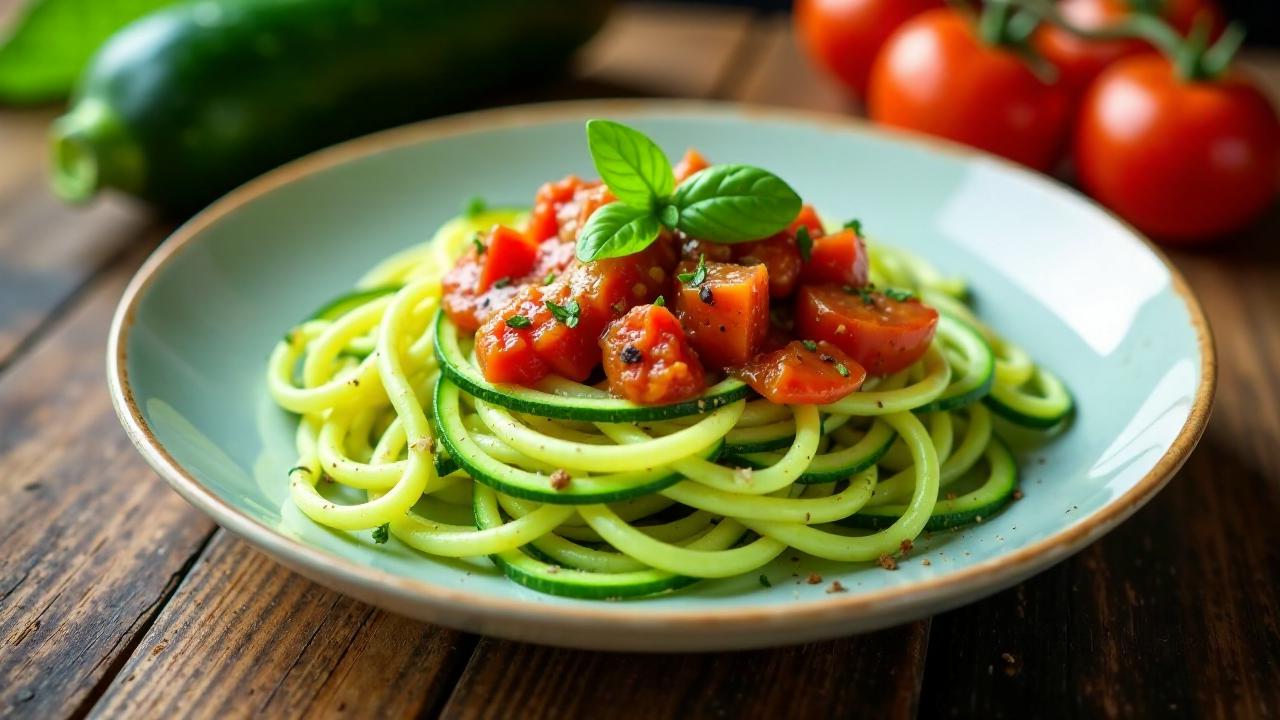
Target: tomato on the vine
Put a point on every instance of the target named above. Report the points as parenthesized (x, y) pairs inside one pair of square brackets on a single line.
[(843, 36), (1079, 59), (936, 75), (1183, 160)]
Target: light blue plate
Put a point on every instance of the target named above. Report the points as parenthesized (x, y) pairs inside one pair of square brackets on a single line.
[(1081, 291)]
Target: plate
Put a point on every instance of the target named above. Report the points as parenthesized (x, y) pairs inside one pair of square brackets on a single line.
[(1081, 291)]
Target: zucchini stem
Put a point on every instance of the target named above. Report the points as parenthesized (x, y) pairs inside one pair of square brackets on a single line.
[(89, 150)]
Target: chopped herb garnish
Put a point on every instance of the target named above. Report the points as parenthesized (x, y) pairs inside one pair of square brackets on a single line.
[(631, 355), (550, 278), (855, 225), (804, 243), (502, 282), (698, 276), (764, 580), (567, 313), (382, 533), (475, 205), (899, 295), (660, 301), (844, 371), (704, 294), (518, 321), (809, 345), (865, 294), (480, 246)]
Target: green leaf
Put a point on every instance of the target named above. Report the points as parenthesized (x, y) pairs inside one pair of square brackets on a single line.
[(804, 243), (855, 225), (635, 169), (382, 533), (518, 321), (735, 203), (899, 295), (52, 41), (568, 314), (660, 301), (698, 276), (616, 230)]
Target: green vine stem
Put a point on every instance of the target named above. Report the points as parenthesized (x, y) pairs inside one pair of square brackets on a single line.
[(1193, 58)]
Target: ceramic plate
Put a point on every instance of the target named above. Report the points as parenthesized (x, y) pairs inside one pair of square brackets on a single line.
[(1082, 292)]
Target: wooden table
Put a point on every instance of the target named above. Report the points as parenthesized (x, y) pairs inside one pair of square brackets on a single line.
[(119, 599)]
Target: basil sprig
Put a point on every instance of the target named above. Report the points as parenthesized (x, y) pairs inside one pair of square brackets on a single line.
[(722, 204)]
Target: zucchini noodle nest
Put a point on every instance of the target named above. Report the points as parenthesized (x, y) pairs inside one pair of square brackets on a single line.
[(573, 492)]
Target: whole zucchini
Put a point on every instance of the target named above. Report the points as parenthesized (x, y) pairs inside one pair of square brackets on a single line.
[(186, 103)]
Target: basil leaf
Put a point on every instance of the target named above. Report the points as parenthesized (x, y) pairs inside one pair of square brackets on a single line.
[(635, 169), (735, 203), (50, 41), (616, 230), (804, 243)]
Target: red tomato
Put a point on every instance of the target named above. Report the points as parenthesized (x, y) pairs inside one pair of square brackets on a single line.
[(935, 75), (840, 258), (689, 165), (727, 316), (1080, 60), (796, 375), (648, 360), (551, 197), (506, 354), (882, 334), (843, 36), (780, 255), (508, 255), (1182, 161), (1182, 15)]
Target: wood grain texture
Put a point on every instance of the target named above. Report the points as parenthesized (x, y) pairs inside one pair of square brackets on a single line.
[(666, 50), (244, 637), (47, 250), (875, 675), (93, 542)]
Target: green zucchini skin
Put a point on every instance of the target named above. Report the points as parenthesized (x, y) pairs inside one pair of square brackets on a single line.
[(189, 102)]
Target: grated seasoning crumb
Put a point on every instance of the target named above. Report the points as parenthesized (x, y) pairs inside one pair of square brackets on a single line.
[(813, 579), (560, 479), (835, 587), (887, 562)]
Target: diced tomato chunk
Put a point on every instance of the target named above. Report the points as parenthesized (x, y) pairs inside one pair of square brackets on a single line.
[(780, 255), (648, 359), (506, 354), (551, 197), (574, 214), (689, 165), (840, 258), (508, 255), (570, 351), (882, 334), (816, 374), (727, 316), (464, 305), (808, 217), (693, 249), (601, 291)]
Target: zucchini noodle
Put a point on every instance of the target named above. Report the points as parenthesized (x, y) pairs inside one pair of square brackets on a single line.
[(574, 492)]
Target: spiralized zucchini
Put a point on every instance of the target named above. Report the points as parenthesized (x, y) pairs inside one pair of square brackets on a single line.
[(619, 500)]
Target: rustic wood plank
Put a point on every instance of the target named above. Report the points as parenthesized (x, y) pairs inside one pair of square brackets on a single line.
[(47, 250), (245, 637), (866, 676), (93, 540), (781, 75), (665, 50)]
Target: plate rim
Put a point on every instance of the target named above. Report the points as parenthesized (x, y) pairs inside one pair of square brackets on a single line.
[(990, 575)]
